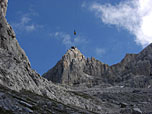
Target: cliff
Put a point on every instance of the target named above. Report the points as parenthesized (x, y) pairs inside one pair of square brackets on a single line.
[(74, 69)]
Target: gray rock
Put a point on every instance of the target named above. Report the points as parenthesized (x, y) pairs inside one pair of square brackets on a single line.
[(74, 69), (136, 111), (123, 105), (69, 69), (3, 7)]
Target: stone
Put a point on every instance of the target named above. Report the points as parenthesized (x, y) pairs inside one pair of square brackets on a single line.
[(3, 7), (66, 70), (123, 105), (74, 69), (136, 111)]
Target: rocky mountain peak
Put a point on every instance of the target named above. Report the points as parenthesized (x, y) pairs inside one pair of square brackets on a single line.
[(75, 69), (65, 71), (73, 54)]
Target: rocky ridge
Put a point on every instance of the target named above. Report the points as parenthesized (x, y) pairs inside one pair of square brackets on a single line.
[(74, 69), (125, 87)]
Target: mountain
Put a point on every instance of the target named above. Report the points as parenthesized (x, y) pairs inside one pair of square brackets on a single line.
[(74, 69), (135, 70), (126, 85), (81, 85)]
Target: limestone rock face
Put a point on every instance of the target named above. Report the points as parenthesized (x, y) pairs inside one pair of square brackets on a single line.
[(3, 7), (133, 67), (95, 67), (8, 40), (143, 62), (69, 69), (75, 69)]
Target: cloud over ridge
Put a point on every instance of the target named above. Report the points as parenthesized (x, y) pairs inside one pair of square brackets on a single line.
[(133, 15)]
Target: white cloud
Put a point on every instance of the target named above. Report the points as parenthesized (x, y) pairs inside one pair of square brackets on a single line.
[(25, 20), (133, 15), (99, 51), (30, 27), (24, 24), (68, 40)]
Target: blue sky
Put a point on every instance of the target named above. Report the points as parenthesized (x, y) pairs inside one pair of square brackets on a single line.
[(106, 29)]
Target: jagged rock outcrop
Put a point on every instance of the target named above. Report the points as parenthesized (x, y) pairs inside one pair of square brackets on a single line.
[(66, 69), (75, 69), (13, 60), (95, 67), (134, 69)]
